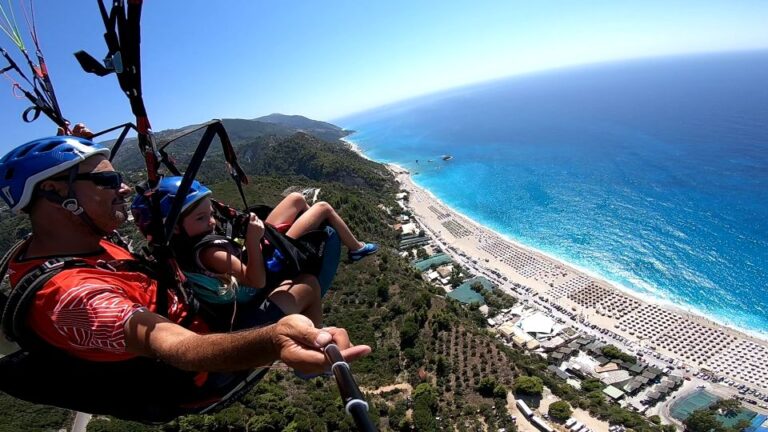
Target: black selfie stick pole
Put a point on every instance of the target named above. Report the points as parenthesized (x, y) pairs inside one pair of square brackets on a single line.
[(353, 400)]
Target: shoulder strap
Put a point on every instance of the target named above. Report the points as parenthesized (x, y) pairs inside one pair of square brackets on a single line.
[(116, 238), (5, 286), (212, 240), (209, 239), (19, 299)]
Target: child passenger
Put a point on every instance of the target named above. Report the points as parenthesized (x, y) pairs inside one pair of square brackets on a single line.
[(222, 258)]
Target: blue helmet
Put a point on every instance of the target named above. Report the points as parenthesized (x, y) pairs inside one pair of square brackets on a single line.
[(27, 165), (167, 188)]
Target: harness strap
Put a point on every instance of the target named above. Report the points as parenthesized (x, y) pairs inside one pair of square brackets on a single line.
[(5, 286), (40, 103), (21, 296)]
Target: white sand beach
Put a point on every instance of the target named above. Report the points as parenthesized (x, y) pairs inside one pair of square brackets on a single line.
[(668, 334)]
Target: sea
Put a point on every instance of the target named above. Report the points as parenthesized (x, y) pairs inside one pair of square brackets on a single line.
[(650, 173)]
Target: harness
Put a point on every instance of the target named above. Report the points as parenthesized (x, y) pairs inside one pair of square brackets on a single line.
[(141, 388), (316, 253)]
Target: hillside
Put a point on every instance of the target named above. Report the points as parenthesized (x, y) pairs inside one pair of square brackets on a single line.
[(324, 131), (240, 131)]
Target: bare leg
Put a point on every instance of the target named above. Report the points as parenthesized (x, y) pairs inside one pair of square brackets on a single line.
[(316, 215), (300, 296), (286, 210)]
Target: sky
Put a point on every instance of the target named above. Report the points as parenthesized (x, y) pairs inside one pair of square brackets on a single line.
[(325, 60)]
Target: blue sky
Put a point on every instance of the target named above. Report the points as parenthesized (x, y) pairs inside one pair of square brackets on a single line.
[(245, 59)]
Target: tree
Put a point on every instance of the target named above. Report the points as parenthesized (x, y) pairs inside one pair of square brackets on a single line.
[(702, 421), (591, 384), (486, 386), (529, 385), (421, 253), (442, 366), (116, 425), (500, 392), (427, 393), (560, 411), (615, 353), (396, 417), (477, 287), (456, 278), (441, 321), (409, 332), (596, 398), (16, 415), (729, 406), (382, 291), (424, 407)]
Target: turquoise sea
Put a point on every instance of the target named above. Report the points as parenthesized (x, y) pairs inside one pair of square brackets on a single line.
[(651, 173)]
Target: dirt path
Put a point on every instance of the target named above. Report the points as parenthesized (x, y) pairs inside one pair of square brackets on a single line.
[(404, 386)]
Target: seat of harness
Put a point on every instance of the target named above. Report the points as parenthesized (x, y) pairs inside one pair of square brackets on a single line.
[(216, 290)]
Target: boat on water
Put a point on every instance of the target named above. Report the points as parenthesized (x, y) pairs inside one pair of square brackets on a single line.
[(447, 157)]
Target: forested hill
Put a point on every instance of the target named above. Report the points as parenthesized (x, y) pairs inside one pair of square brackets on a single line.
[(322, 130), (240, 131)]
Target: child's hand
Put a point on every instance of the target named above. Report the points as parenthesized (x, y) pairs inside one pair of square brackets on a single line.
[(255, 229)]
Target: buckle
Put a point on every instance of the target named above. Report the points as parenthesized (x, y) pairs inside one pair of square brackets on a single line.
[(53, 265)]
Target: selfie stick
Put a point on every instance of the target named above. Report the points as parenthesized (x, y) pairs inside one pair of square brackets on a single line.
[(351, 396)]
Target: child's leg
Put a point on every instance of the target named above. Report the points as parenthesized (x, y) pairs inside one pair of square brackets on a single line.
[(286, 210), (316, 215), (300, 296)]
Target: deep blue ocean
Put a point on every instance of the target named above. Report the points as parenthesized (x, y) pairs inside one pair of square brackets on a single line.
[(650, 173)]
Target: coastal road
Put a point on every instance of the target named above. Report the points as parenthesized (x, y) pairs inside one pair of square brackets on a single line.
[(81, 422)]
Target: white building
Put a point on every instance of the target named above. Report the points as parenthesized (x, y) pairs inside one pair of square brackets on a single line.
[(409, 228)]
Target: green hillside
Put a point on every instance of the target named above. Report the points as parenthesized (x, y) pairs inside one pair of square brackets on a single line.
[(324, 131)]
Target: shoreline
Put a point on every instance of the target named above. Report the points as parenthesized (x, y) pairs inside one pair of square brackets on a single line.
[(692, 311), (644, 297), (690, 336), (356, 148), (667, 303)]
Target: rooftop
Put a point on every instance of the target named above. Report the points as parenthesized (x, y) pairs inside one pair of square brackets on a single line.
[(613, 392), (537, 323)]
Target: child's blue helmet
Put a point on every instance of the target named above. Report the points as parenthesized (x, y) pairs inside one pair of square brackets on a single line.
[(167, 189), (27, 165)]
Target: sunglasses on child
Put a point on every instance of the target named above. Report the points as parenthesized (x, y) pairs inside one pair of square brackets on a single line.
[(105, 179)]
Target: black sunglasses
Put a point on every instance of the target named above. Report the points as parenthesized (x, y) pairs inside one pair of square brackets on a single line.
[(105, 179)]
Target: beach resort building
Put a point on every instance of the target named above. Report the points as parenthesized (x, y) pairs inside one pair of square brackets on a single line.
[(409, 228), (445, 271), (539, 326), (613, 393)]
